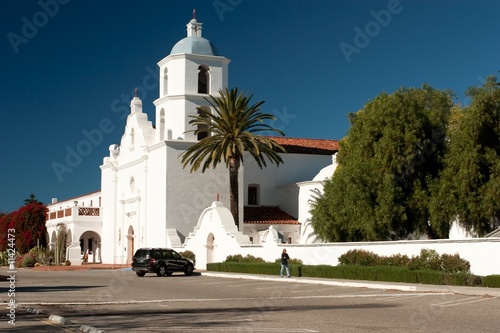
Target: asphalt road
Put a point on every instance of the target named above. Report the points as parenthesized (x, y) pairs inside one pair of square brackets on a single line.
[(118, 301)]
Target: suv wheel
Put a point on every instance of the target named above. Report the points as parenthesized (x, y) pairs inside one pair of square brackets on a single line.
[(140, 274), (162, 270), (189, 270)]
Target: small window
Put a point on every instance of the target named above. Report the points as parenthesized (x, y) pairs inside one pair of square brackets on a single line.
[(203, 80), (165, 81), (253, 195)]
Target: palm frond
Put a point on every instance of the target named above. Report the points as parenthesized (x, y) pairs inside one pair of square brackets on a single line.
[(232, 125)]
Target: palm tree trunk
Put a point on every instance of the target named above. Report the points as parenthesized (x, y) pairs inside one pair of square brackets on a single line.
[(234, 166)]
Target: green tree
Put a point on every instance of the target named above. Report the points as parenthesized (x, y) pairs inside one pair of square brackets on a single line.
[(31, 199), (469, 187), (231, 128), (386, 166)]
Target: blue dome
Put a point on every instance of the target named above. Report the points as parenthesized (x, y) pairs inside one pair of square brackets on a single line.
[(194, 45)]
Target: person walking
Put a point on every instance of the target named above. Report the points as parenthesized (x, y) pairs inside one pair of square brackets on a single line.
[(284, 263)]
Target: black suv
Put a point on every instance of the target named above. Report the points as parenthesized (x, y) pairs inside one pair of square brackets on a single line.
[(161, 261)]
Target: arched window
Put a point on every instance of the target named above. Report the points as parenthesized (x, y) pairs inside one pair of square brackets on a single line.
[(162, 125), (203, 79), (203, 128), (132, 185), (165, 81), (132, 137), (253, 194)]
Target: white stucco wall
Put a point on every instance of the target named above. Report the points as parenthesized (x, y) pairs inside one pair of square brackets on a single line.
[(273, 180), (217, 222), (215, 236), (477, 251)]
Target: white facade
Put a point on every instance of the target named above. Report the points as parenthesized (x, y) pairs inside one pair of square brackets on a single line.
[(82, 218), (148, 199)]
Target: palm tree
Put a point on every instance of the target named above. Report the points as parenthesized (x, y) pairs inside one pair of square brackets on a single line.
[(231, 127)]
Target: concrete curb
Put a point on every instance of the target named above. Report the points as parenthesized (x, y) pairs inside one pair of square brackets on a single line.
[(90, 329), (60, 320), (56, 319), (34, 311)]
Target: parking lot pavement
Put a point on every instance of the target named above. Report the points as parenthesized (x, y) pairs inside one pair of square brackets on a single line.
[(118, 300)]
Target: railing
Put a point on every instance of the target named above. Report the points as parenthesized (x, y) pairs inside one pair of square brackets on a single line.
[(88, 211), (82, 211)]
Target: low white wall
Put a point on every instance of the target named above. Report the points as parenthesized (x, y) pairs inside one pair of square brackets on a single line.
[(215, 237), (480, 252)]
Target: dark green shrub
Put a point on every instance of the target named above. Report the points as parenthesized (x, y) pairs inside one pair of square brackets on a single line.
[(292, 261), (240, 258), (461, 279), (452, 263), (26, 260), (429, 277), (491, 281), (428, 259), (431, 260), (4, 258), (234, 258), (359, 257), (356, 272), (189, 254), (394, 274), (398, 260), (323, 271), (251, 268)]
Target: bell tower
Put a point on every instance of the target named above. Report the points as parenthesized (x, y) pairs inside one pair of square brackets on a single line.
[(190, 73)]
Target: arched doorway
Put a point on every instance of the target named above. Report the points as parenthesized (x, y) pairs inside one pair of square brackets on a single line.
[(130, 244), (210, 248), (90, 246)]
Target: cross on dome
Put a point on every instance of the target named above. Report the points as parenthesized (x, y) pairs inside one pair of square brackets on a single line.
[(194, 27)]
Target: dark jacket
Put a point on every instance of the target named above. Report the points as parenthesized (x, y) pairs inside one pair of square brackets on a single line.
[(284, 258)]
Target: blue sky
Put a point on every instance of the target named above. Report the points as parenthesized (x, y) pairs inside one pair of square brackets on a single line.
[(67, 66)]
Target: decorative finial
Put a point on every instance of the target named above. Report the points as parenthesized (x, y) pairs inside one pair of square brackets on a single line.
[(135, 92), (217, 198), (194, 14)]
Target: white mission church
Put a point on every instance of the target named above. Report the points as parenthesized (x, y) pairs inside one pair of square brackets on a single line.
[(147, 199)]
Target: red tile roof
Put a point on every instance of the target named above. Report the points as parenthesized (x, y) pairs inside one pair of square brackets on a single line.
[(267, 215), (308, 146)]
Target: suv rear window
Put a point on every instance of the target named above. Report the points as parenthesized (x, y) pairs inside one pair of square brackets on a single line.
[(142, 253)]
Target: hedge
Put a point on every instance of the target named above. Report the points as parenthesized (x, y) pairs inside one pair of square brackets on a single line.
[(355, 272)]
